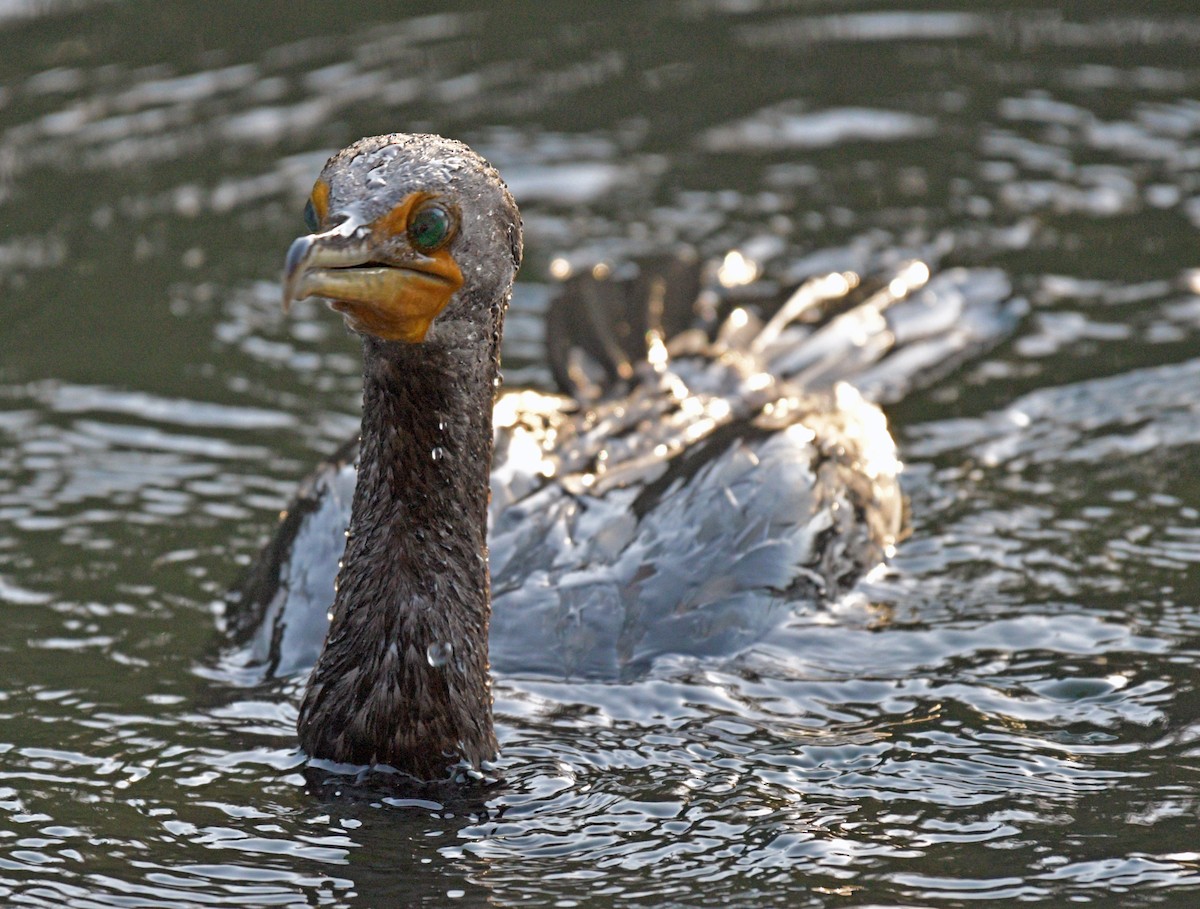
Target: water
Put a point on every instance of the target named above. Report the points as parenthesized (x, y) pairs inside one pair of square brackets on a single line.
[(1011, 714)]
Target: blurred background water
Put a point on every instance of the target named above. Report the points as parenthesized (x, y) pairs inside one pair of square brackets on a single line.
[(1011, 714)]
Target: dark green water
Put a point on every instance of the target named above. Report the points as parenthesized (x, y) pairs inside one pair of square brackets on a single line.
[(1011, 715)]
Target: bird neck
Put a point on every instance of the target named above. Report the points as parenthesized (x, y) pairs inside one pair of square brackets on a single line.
[(403, 678)]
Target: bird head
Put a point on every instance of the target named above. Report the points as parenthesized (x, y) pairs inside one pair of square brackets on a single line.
[(406, 230)]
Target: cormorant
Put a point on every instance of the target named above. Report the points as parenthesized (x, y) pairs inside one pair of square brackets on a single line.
[(696, 484)]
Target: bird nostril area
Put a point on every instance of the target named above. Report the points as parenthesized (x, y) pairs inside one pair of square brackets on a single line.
[(343, 224)]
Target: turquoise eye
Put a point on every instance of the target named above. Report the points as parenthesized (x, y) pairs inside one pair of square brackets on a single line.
[(429, 228), (311, 221)]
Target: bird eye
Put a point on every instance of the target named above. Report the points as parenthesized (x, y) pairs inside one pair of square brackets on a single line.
[(429, 228), (311, 221)]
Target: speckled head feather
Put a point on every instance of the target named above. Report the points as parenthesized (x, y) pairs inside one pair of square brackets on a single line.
[(374, 173)]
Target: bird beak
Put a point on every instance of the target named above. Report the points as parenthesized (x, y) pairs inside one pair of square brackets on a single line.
[(393, 302)]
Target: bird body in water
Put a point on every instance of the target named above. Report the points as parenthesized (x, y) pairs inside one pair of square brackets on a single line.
[(672, 507)]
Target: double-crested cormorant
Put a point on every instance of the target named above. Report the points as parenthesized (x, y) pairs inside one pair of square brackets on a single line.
[(671, 511)]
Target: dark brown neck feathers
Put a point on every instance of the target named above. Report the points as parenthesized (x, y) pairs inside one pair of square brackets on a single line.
[(403, 679)]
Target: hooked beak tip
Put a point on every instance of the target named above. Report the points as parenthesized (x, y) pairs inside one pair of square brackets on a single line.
[(293, 268), (340, 246)]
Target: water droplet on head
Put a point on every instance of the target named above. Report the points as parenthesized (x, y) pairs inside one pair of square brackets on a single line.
[(437, 453), (439, 654), (382, 155), (375, 176)]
